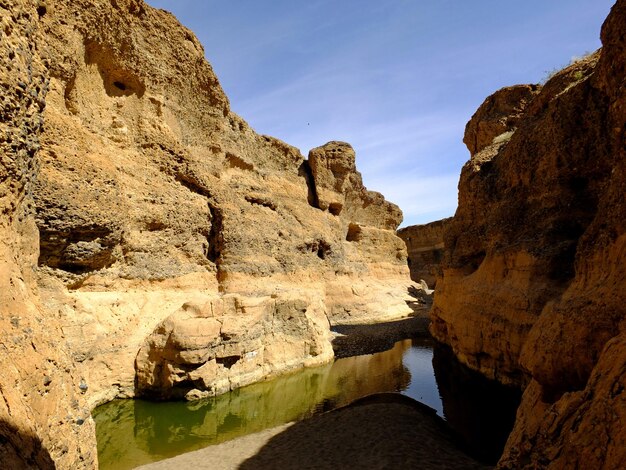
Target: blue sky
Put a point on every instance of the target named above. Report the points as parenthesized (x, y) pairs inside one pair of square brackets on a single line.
[(397, 79)]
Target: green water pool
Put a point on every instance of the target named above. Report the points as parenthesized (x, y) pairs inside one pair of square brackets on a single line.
[(135, 432)]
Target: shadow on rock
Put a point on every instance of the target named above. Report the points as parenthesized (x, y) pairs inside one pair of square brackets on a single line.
[(22, 450), (354, 340)]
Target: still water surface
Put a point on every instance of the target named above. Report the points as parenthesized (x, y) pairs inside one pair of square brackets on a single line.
[(135, 432)]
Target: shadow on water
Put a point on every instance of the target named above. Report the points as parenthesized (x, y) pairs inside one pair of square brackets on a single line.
[(479, 410), (135, 432), (379, 431)]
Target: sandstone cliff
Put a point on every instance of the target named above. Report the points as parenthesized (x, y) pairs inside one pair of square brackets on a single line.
[(44, 419), (168, 226), (152, 242), (534, 275), (424, 244)]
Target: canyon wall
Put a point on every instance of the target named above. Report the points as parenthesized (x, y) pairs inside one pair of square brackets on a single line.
[(534, 273), (187, 253), (44, 418), (424, 244), (152, 242)]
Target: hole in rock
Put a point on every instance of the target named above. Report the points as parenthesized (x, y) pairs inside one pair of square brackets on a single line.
[(320, 247), (323, 249), (117, 78), (237, 162), (259, 201), (335, 208), (475, 262), (578, 184), (227, 361), (80, 250), (354, 233)]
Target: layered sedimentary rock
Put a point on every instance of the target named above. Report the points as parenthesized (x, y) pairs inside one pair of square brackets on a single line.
[(338, 187), (202, 350), (44, 419), (424, 244), (152, 242), (154, 201), (524, 201), (535, 265)]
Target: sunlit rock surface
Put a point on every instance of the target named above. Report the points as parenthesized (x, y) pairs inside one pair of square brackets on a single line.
[(44, 418), (131, 193), (152, 195)]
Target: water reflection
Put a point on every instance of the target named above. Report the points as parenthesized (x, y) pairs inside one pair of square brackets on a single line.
[(135, 432), (422, 386), (480, 411)]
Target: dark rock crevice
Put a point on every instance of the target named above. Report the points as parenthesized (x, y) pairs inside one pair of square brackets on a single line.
[(306, 172), (320, 247), (227, 361), (261, 201), (215, 236), (116, 79), (78, 250), (355, 233)]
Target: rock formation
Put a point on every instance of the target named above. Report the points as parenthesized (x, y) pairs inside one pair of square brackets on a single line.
[(130, 432), (424, 244), (44, 419), (534, 271), (154, 200), (152, 242), (204, 350)]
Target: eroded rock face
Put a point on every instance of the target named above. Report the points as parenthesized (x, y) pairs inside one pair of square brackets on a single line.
[(152, 195), (524, 201), (339, 188), (162, 247), (499, 114), (535, 266), (44, 419), (207, 349), (424, 244)]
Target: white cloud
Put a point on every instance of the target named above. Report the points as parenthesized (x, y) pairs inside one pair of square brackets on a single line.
[(398, 81)]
